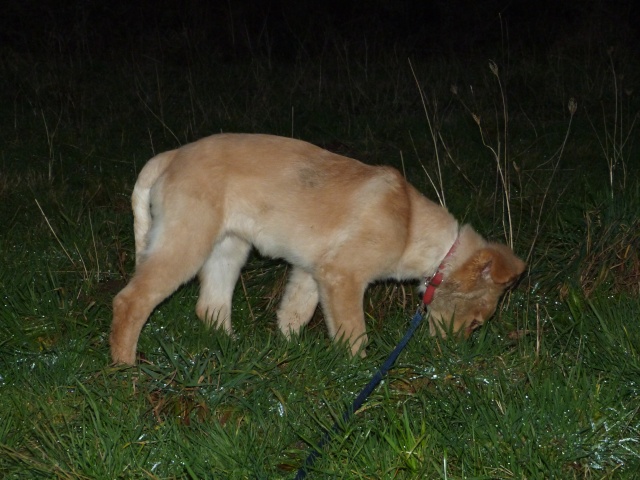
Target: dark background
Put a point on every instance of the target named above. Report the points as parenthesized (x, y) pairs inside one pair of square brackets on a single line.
[(237, 29)]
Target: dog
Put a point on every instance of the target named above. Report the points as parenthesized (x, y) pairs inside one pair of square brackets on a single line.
[(340, 223)]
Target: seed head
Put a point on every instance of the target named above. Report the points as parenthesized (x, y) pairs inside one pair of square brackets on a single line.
[(494, 67)]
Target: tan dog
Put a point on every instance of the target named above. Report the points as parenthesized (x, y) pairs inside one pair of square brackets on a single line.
[(340, 223)]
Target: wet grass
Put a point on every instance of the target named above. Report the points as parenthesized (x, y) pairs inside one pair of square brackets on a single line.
[(549, 388)]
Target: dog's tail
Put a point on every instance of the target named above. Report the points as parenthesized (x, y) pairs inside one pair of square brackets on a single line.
[(141, 199)]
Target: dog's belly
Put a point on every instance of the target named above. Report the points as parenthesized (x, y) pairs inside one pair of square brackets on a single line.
[(301, 242)]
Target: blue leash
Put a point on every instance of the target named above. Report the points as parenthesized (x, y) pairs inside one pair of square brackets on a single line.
[(366, 391)]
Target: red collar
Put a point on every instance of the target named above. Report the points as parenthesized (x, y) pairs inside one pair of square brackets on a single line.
[(433, 282)]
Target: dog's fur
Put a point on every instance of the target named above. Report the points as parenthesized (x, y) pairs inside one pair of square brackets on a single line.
[(340, 223)]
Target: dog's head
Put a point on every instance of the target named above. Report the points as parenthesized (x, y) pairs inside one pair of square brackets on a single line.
[(478, 275)]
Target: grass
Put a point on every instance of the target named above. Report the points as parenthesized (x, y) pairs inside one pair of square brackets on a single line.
[(549, 388)]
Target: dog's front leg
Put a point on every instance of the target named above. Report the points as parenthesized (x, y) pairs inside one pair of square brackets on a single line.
[(298, 303), (341, 297)]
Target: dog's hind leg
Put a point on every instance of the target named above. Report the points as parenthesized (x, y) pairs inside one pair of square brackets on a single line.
[(298, 303), (218, 277), (175, 256)]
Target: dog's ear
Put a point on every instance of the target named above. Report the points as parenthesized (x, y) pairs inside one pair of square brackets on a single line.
[(498, 264), (493, 264)]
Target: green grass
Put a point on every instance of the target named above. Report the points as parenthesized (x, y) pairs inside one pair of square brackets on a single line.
[(549, 388)]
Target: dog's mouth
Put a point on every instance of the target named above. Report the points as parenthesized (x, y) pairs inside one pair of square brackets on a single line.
[(472, 326)]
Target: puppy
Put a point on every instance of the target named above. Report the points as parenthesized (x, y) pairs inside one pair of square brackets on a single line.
[(341, 224)]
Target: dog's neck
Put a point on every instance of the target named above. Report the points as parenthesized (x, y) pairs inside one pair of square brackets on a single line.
[(433, 282)]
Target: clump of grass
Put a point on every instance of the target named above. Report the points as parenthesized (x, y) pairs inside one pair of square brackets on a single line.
[(597, 243), (607, 254)]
